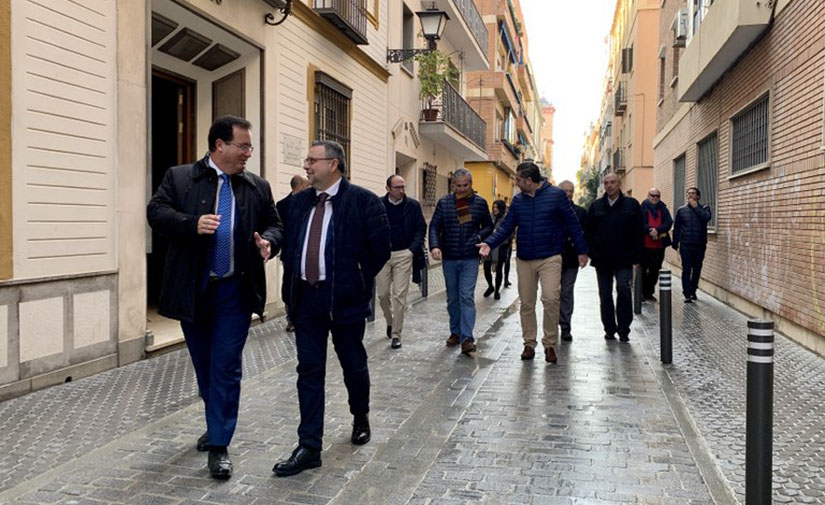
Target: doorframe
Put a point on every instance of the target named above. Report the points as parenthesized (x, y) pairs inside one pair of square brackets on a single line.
[(189, 137)]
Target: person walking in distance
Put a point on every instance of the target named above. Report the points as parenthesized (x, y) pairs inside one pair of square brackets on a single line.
[(407, 229), (498, 255), (461, 220), (297, 184), (223, 227), (544, 218), (616, 238), (690, 238), (569, 268), (657, 224), (337, 240)]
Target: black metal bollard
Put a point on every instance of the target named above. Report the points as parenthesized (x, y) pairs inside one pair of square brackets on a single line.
[(665, 320), (638, 271), (759, 421)]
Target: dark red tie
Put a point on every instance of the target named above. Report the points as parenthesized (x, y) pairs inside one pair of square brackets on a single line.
[(312, 268)]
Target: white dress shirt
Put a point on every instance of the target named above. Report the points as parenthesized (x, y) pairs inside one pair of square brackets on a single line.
[(322, 267), (231, 217)]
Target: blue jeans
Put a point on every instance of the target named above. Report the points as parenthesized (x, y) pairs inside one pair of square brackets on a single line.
[(460, 278)]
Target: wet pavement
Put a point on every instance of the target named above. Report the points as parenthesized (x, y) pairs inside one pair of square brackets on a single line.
[(606, 425)]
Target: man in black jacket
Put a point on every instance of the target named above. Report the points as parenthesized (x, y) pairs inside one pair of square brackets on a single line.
[(222, 226), (296, 184), (460, 221), (615, 235), (337, 240), (657, 224), (407, 228), (569, 267), (690, 238)]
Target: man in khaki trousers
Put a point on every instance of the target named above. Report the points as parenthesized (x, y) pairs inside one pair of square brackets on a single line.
[(407, 229), (544, 217)]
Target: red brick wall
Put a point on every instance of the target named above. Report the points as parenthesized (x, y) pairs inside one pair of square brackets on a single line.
[(769, 247)]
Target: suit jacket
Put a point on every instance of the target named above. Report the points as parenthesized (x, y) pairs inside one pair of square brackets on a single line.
[(188, 192)]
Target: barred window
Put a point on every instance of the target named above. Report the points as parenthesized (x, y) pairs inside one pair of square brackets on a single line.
[(679, 182), (707, 173), (750, 137), (332, 101)]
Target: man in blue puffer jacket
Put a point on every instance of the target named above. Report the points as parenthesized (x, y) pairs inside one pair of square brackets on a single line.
[(545, 218), (460, 221)]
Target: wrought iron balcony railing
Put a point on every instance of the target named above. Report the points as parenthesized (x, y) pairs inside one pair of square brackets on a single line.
[(618, 159), (451, 108), (621, 98), (350, 16), (472, 17)]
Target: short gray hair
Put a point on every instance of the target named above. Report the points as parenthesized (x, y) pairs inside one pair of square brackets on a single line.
[(462, 172), (334, 150), (567, 182)]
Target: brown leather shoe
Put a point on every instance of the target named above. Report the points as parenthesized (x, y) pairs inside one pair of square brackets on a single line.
[(528, 353), (468, 346), (550, 355), (453, 340)]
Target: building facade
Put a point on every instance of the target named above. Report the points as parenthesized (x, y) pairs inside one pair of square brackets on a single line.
[(547, 144), (741, 116), (506, 97)]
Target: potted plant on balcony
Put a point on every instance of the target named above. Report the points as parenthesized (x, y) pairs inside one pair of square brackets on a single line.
[(434, 69)]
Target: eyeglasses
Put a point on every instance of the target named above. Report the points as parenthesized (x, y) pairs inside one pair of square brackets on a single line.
[(397, 187), (312, 161), (243, 147), (654, 196)]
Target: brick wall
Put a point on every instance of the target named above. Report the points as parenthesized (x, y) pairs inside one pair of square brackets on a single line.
[(769, 245)]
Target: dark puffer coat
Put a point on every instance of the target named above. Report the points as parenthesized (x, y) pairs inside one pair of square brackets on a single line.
[(458, 241), (358, 245), (691, 225)]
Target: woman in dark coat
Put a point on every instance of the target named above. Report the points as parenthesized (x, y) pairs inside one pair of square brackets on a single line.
[(498, 256)]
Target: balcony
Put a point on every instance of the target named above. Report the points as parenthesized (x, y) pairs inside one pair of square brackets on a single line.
[(452, 123), (466, 32), (618, 160), (727, 31), (349, 16), (504, 88), (620, 104)]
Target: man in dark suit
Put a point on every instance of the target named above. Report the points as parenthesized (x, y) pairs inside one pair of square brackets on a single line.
[(222, 226), (337, 240), (297, 184)]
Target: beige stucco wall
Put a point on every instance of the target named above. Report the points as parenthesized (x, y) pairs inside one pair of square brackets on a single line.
[(5, 132)]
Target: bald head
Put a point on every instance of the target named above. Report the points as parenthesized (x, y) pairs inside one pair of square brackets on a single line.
[(654, 196), (298, 183), (612, 184), (568, 189)]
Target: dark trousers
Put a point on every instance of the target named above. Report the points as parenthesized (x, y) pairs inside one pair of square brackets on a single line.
[(215, 341), (618, 319), (651, 264), (312, 328), (507, 257), (568, 283), (692, 258), (488, 273)]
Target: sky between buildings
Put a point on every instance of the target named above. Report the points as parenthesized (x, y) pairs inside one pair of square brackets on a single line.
[(569, 55)]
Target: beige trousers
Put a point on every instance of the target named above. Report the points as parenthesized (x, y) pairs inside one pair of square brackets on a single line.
[(391, 285), (531, 273)]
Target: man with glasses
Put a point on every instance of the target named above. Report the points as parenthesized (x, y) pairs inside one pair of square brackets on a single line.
[(222, 228), (407, 228), (690, 238), (337, 240), (657, 223)]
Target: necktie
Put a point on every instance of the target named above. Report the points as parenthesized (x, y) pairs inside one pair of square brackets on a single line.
[(312, 268), (223, 235)]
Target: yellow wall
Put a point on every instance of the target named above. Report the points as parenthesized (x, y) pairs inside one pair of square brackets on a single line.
[(486, 177), (5, 133)]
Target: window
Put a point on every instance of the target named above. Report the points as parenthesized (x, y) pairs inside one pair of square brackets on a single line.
[(662, 77), (676, 54), (408, 37), (627, 60), (750, 137), (508, 128), (372, 12), (332, 101), (707, 173), (679, 182)]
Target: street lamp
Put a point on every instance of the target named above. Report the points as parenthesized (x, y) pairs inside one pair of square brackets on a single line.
[(433, 22)]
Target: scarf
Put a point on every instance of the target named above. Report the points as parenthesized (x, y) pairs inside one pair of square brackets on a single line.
[(654, 209), (462, 207)]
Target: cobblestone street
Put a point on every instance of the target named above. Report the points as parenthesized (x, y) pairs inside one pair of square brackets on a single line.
[(606, 425)]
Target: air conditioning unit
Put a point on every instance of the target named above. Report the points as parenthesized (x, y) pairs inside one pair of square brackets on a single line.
[(680, 28)]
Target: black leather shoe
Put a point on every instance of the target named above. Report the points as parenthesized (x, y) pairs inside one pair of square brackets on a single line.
[(360, 430), (609, 336), (203, 443), (396, 343), (624, 338), (219, 465), (302, 458)]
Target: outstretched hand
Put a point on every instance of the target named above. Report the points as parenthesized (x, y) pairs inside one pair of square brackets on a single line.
[(264, 247), (483, 249)]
